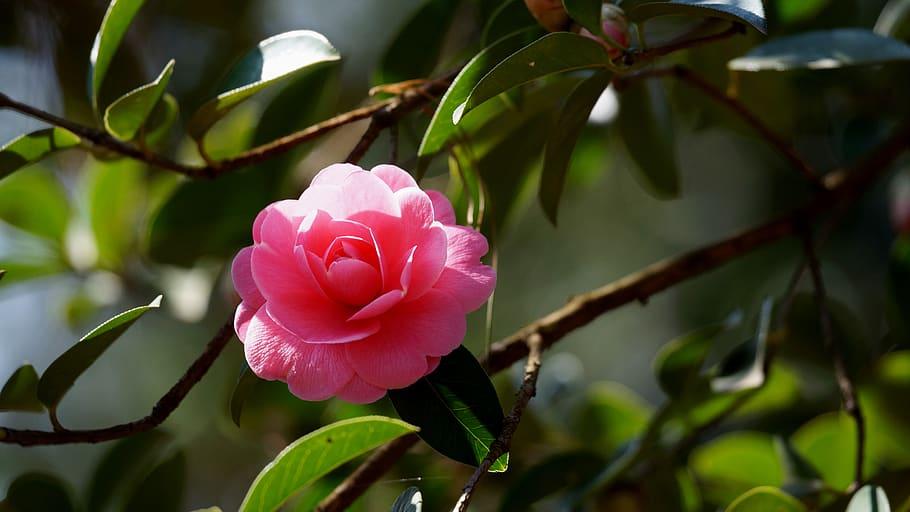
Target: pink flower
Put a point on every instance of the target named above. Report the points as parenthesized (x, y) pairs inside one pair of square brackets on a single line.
[(359, 286), (615, 26)]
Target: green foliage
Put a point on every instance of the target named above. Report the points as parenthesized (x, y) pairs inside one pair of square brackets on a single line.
[(764, 499), (31, 148), (415, 51), (123, 468), (587, 13), (125, 117), (894, 20), (744, 368), (246, 382), (564, 472), (38, 492), (648, 135), (117, 19), (740, 11), (509, 17), (115, 194), (315, 454), (162, 488), (456, 408), (20, 393), (827, 49), (734, 463), (63, 372), (610, 417)]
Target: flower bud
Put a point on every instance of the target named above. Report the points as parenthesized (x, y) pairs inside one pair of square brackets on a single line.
[(615, 26), (549, 13), (900, 203)]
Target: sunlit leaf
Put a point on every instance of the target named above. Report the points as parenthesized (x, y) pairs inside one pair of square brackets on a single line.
[(740, 11), (114, 194), (273, 61), (20, 393), (117, 19), (161, 120), (411, 500), (869, 498), (315, 454), (894, 21), (162, 489), (456, 408), (35, 202), (38, 492), (63, 372), (246, 381), (733, 463), (611, 416), (766, 499), (647, 132), (414, 52), (128, 114), (30, 148)]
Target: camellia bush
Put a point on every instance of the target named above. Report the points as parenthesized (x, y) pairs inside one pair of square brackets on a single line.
[(362, 242)]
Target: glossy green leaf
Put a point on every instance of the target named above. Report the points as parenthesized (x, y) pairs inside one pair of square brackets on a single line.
[(456, 408), (414, 52), (796, 467), (611, 416), (744, 368), (114, 194), (828, 442), (766, 499), (128, 114), (273, 61), (117, 19), (63, 372), (508, 18), (558, 473), (797, 11), (751, 12), (586, 13), (26, 268), (894, 20), (647, 132), (162, 489), (731, 464), (411, 500), (161, 120), (559, 52), (20, 393), (35, 202), (869, 498), (561, 143), (828, 49), (30, 148), (122, 468), (441, 129), (315, 454), (246, 382), (38, 492)]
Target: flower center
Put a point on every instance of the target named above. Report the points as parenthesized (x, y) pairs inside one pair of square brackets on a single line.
[(351, 271)]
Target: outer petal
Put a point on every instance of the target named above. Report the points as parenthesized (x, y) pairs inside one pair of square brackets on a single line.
[(242, 275), (442, 207), (395, 177), (358, 391), (363, 192), (468, 280), (382, 362), (290, 210), (242, 318), (429, 262), (270, 350), (334, 174)]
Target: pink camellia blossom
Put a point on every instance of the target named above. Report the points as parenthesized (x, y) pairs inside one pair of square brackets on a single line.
[(615, 26), (359, 286)]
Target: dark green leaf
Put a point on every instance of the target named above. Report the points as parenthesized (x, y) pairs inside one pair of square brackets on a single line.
[(798, 11), (740, 11), (647, 132), (869, 498), (128, 114), (63, 372), (510, 17), (411, 500), (273, 61), (114, 195), (456, 408), (38, 492), (558, 154), (20, 393), (744, 368), (766, 499), (122, 468), (558, 52), (36, 202), (162, 489), (733, 463), (894, 21), (562, 472), (441, 129), (315, 454), (827, 49), (586, 13), (246, 381), (117, 19), (415, 50), (30, 148)]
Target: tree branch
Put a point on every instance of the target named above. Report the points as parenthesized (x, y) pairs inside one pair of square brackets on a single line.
[(782, 146), (160, 412), (844, 383), (648, 54), (501, 445), (841, 189)]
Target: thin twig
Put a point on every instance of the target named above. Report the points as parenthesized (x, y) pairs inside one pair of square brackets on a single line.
[(779, 143), (649, 54), (509, 425), (160, 412), (844, 383)]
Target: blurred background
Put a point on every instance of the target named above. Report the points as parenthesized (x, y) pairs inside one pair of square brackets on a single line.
[(89, 235)]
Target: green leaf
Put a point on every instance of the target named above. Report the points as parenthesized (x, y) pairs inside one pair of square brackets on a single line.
[(122, 467), (117, 19), (246, 381), (16, 271), (315, 454), (561, 143), (894, 20), (679, 362), (63, 372), (38, 492), (510, 17), (161, 120), (456, 408), (869, 498), (796, 467), (828, 442), (899, 283), (128, 114), (647, 133), (273, 61), (766, 499), (411, 500), (162, 489), (611, 416), (562, 472), (739, 11), (559, 52), (733, 463), (827, 49), (20, 393), (744, 368), (797, 11), (30, 148), (36, 202), (586, 13), (416, 49), (115, 195)]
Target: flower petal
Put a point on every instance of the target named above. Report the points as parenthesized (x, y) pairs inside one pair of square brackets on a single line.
[(364, 192), (270, 350), (442, 207), (242, 275), (395, 177), (380, 305), (429, 262), (334, 174), (465, 278), (383, 362), (358, 391), (242, 318), (353, 281)]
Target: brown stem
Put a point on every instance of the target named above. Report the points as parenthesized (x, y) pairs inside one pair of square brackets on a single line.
[(649, 54), (160, 412), (510, 424), (779, 143), (844, 383)]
